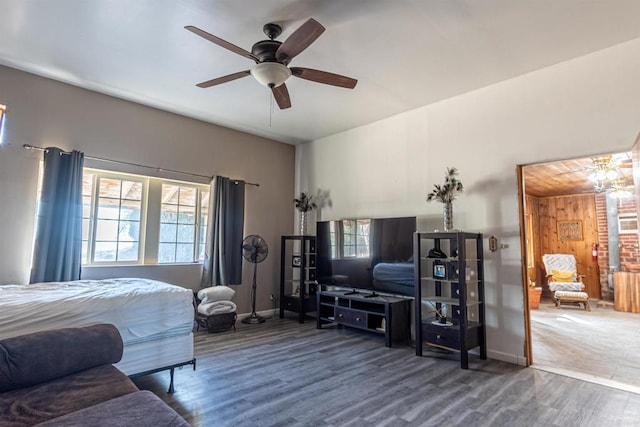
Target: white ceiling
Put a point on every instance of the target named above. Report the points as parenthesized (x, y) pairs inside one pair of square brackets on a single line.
[(404, 53)]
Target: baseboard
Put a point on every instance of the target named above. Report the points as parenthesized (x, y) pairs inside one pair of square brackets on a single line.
[(263, 313), (506, 357)]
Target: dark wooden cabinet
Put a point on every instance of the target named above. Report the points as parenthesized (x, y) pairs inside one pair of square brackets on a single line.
[(449, 293), (298, 284), (376, 313)]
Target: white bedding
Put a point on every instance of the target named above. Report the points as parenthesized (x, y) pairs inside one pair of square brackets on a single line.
[(143, 310)]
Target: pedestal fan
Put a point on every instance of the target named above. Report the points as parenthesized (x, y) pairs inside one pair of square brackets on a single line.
[(254, 250)]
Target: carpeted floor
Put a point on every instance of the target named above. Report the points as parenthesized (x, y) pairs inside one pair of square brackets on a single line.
[(601, 346)]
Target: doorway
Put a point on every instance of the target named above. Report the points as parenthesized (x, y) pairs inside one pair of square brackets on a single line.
[(579, 195)]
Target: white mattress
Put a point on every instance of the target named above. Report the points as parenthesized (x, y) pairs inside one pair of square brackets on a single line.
[(150, 355), (143, 311)]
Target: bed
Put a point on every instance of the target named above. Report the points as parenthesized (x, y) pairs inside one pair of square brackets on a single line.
[(396, 277), (155, 319)]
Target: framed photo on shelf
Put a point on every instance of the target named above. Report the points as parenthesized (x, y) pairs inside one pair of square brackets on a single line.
[(296, 261)]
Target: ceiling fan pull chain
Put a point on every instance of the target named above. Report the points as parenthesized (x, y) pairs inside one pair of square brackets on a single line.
[(270, 108)]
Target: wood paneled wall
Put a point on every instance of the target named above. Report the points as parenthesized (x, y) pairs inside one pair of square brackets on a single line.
[(535, 270), (570, 208)]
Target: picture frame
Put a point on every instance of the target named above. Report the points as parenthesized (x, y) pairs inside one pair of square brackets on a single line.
[(296, 261), (570, 230), (439, 271)]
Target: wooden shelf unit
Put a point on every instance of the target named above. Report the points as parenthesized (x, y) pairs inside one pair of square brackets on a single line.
[(453, 286)]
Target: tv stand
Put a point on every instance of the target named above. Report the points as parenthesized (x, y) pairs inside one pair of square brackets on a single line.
[(388, 316)]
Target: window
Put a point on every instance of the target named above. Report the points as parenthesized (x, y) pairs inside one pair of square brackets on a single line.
[(182, 236), (627, 223), (333, 240), (111, 218), (132, 219), (356, 238)]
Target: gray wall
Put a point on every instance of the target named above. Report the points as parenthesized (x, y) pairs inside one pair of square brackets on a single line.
[(44, 112)]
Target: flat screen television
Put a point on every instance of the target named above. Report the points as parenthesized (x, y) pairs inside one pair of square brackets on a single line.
[(367, 253)]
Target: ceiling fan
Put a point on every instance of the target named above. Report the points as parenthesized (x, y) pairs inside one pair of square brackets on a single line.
[(272, 58), (618, 187)]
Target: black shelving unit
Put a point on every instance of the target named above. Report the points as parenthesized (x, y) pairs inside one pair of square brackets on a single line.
[(449, 278), (298, 284)]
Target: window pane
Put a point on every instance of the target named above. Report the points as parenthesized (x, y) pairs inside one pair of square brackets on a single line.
[(105, 251), (184, 252), (85, 229), (86, 206), (170, 194), (203, 230), (109, 188), (204, 202), (169, 213), (129, 231), (168, 232), (107, 230), (128, 251), (363, 252), (201, 252), (85, 251), (131, 190), (188, 196), (186, 234), (130, 210), (87, 183), (108, 208), (187, 215), (348, 240), (166, 252)]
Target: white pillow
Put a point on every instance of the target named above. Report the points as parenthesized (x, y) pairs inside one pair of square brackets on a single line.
[(216, 293)]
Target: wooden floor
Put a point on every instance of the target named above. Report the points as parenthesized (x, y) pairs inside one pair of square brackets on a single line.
[(281, 373), (600, 345)]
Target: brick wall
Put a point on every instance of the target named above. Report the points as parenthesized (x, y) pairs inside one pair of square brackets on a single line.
[(603, 247)]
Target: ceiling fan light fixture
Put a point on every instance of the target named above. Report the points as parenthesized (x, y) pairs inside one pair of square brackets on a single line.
[(270, 74), (621, 193), (612, 174)]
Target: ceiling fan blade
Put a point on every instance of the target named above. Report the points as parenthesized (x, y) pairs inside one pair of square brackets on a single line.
[(281, 94), (324, 77), (224, 79), (222, 43), (301, 39)]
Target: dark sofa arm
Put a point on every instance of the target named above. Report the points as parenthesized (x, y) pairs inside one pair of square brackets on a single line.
[(35, 358)]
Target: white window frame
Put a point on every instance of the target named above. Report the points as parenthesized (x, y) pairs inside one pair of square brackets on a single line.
[(197, 225), (149, 218), (631, 219), (102, 174)]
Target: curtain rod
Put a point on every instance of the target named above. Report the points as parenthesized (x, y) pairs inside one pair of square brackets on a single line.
[(33, 147)]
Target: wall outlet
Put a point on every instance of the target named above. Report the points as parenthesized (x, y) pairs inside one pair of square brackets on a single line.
[(272, 297)]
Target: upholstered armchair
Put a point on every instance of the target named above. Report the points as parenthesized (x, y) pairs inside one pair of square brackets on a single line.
[(564, 281)]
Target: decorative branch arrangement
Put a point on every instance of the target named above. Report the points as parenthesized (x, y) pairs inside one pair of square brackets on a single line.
[(447, 192), (305, 202)]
